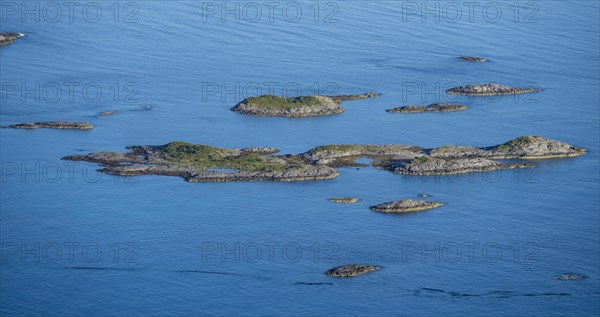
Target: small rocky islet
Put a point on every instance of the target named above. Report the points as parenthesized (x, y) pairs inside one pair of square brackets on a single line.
[(294, 107), (472, 59), (7, 38), (407, 205), (343, 200), (480, 90), (351, 270), (203, 163), (52, 125), (435, 107)]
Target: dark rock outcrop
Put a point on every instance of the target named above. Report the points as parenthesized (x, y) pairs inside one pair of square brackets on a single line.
[(472, 59), (351, 270)]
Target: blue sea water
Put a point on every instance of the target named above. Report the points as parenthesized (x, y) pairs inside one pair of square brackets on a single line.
[(79, 243)]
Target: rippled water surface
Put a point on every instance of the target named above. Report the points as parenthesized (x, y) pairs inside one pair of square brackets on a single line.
[(173, 248)]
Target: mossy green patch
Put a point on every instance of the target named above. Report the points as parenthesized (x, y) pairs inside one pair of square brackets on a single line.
[(519, 142), (207, 157), (277, 102)]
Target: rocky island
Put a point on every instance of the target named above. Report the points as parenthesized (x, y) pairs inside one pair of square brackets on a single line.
[(472, 59), (407, 205), (303, 106), (351, 270), (341, 200), (52, 125), (489, 90), (435, 107), (7, 38), (204, 163)]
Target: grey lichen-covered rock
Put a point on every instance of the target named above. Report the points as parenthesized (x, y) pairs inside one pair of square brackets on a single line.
[(407, 205), (346, 153), (260, 150), (341, 98), (342, 200), (435, 166), (7, 38), (534, 147), (436, 107), (472, 59), (457, 151), (351, 270), (489, 90), (571, 276), (52, 125), (303, 106)]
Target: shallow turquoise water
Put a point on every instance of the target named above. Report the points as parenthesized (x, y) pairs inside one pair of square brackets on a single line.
[(177, 241)]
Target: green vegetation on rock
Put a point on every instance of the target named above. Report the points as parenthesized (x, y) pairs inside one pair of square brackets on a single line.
[(277, 102), (519, 142), (207, 157)]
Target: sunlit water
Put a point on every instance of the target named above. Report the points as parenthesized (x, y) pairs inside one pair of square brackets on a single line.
[(516, 232)]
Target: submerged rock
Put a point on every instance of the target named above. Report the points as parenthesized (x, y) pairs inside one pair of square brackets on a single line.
[(343, 200), (436, 107), (303, 106), (424, 195), (7, 38), (351, 270), (571, 276), (106, 113), (407, 205), (52, 125), (473, 59), (489, 90)]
